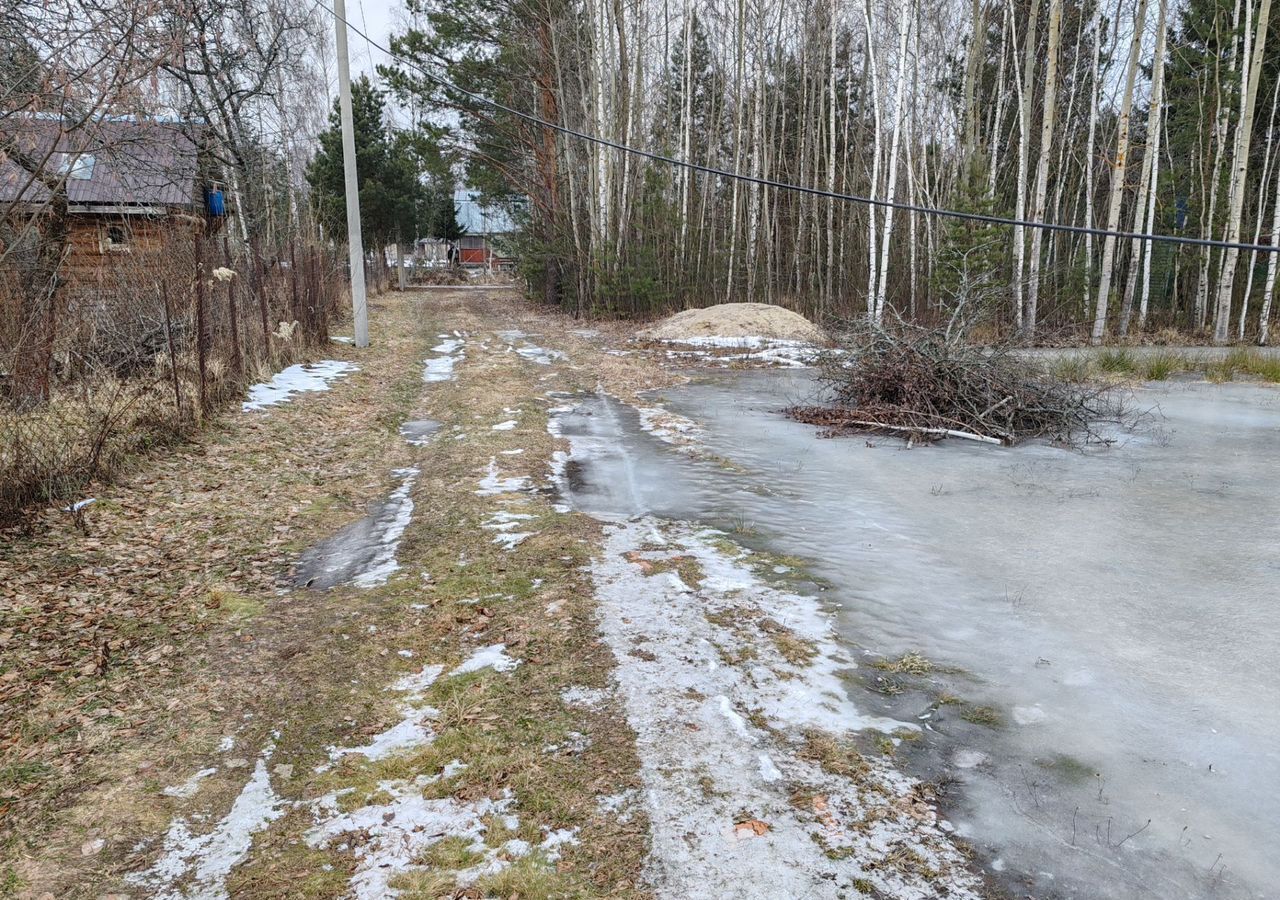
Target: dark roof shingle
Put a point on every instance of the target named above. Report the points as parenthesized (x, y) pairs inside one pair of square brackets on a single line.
[(113, 161)]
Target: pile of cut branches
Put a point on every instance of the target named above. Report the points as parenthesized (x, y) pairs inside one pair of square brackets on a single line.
[(931, 383)]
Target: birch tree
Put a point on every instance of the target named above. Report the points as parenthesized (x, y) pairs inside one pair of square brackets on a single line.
[(1042, 166), (1254, 40), (1119, 168)]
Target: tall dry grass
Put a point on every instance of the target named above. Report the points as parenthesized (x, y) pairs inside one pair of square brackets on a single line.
[(145, 348)]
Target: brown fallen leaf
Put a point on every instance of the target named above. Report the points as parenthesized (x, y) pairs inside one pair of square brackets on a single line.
[(750, 828), (823, 811)]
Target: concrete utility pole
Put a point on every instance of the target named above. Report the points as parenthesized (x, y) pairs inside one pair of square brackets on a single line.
[(354, 242)]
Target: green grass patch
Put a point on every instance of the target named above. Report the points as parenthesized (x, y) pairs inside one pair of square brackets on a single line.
[(1116, 361), (1164, 364), (986, 716), (1068, 768)]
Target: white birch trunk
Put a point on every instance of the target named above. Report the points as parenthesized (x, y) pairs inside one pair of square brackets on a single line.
[(1118, 171), (1256, 44), (1042, 166), (1140, 249), (906, 21)]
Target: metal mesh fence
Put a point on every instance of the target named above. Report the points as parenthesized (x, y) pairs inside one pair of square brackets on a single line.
[(145, 329)]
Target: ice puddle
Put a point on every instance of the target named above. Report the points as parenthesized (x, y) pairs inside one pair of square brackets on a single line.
[(729, 683), (364, 552), (734, 687)]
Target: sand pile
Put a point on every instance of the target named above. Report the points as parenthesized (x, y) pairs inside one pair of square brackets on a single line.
[(735, 320)]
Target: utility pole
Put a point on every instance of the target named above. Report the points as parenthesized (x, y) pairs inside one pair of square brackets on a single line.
[(355, 244)]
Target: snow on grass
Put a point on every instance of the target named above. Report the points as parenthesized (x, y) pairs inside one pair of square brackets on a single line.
[(561, 837), (505, 524), (393, 521), (188, 788), (585, 697), (202, 862), (405, 734), (413, 729), (440, 368), (493, 483), (390, 836), (504, 426), (492, 657), (540, 355), (722, 719), (296, 379), (393, 834)]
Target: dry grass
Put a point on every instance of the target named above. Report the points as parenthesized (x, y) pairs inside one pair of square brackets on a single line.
[(1123, 363), (911, 663), (238, 506)]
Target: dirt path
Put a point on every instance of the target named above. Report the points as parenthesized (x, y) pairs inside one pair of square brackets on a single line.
[(197, 714)]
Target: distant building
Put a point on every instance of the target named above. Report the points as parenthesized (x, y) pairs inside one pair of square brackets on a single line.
[(483, 246)]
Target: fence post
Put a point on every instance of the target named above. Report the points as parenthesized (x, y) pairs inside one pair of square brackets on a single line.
[(256, 282), (173, 353), (237, 360), (202, 337)]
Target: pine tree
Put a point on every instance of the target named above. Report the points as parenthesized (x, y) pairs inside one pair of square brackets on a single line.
[(390, 188)]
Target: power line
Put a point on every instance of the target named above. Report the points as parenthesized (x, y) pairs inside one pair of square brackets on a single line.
[(805, 189)]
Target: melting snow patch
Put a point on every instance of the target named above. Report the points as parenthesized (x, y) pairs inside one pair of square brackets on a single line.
[(395, 833), (295, 380), (667, 426), (204, 861), (412, 730), (440, 368), (574, 744), (562, 837), (768, 771), (585, 697), (505, 524), (776, 351), (505, 426), (683, 703), (398, 512), (493, 484), (188, 788), (619, 804), (492, 657)]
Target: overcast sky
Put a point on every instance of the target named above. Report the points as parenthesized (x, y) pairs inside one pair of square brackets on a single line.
[(375, 18)]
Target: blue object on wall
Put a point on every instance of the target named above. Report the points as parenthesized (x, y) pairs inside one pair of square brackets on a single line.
[(215, 203)]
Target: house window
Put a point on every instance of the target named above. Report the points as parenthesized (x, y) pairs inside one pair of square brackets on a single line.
[(116, 238)]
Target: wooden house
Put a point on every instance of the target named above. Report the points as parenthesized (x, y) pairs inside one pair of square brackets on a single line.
[(484, 245), (134, 190)]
